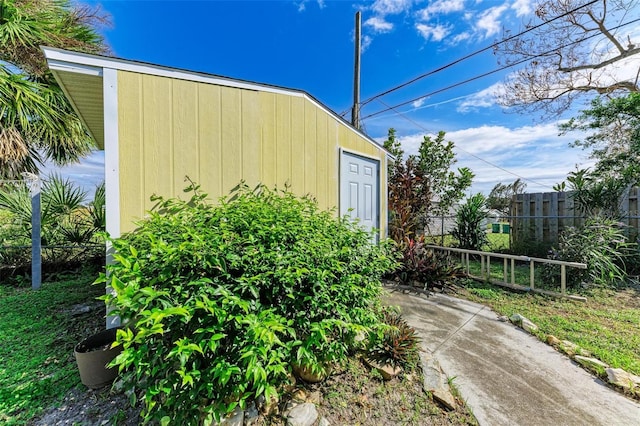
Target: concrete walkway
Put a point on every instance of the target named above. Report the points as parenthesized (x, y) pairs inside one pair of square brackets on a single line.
[(506, 376)]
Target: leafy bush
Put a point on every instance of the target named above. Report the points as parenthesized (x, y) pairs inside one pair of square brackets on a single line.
[(600, 244), (469, 231), (424, 267), (395, 345), (219, 301)]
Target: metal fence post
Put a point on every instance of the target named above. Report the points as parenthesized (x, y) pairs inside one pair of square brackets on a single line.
[(36, 225)]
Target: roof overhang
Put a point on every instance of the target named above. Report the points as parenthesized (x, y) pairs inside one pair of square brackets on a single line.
[(80, 76)]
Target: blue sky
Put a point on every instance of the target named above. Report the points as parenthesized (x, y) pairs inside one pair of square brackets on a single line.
[(308, 45)]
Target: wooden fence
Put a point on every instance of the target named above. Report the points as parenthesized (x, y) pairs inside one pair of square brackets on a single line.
[(542, 216)]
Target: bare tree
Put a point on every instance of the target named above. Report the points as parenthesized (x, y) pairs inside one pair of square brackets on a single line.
[(587, 50)]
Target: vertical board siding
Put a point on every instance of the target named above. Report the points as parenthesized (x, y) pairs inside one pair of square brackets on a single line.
[(209, 136), (310, 150), (268, 140), (131, 151), (542, 216), (297, 176), (185, 143), (283, 140), (219, 136), (157, 117), (251, 152), (230, 128), (321, 158)]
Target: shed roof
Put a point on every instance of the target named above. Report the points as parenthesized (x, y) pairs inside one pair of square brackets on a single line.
[(80, 77)]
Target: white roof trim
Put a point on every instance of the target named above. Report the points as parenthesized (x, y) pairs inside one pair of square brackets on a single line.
[(74, 67), (65, 60)]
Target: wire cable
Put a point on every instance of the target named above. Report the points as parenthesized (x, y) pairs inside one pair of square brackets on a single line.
[(470, 55), (467, 152), (469, 80)]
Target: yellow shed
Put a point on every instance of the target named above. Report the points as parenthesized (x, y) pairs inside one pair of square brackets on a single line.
[(158, 124)]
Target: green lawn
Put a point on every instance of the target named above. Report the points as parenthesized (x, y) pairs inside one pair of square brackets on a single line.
[(607, 325), (497, 242), (38, 334)]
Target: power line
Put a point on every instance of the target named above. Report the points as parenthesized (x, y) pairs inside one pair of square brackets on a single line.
[(465, 151), (492, 71), (470, 55)]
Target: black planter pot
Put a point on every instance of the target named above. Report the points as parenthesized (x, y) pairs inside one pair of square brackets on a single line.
[(93, 354)]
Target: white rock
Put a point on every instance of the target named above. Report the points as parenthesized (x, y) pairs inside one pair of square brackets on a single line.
[(523, 322), (323, 422), (624, 379), (302, 415), (590, 362), (435, 382)]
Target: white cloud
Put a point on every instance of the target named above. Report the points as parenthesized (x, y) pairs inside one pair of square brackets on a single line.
[(483, 99), (365, 42), (391, 7), (419, 102), (435, 32), (522, 7), (460, 37), (440, 7), (87, 174), (489, 21), (379, 24), (302, 5), (536, 153)]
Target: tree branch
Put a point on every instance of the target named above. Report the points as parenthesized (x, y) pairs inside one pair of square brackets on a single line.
[(625, 54)]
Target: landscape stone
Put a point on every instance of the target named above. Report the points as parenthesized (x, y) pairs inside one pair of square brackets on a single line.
[(524, 323), (553, 340), (386, 371), (309, 376), (323, 422), (267, 407), (435, 382), (302, 415), (622, 378), (235, 418), (590, 362), (529, 326), (569, 348), (251, 415)]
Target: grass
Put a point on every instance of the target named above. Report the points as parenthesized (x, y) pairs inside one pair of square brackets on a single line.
[(607, 325), (355, 395), (38, 334), (497, 242)]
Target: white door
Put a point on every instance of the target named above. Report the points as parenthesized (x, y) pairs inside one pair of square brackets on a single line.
[(359, 189)]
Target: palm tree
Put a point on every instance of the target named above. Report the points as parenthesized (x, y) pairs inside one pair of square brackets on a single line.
[(37, 123)]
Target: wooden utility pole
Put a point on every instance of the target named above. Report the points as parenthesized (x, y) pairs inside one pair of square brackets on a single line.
[(355, 112)]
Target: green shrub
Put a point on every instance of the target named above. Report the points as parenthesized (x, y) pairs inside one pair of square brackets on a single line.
[(469, 230), (395, 345), (219, 301), (424, 267), (600, 244)]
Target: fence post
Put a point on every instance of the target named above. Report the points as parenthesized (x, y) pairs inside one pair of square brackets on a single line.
[(504, 270), (532, 275), (563, 279), (36, 249)]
